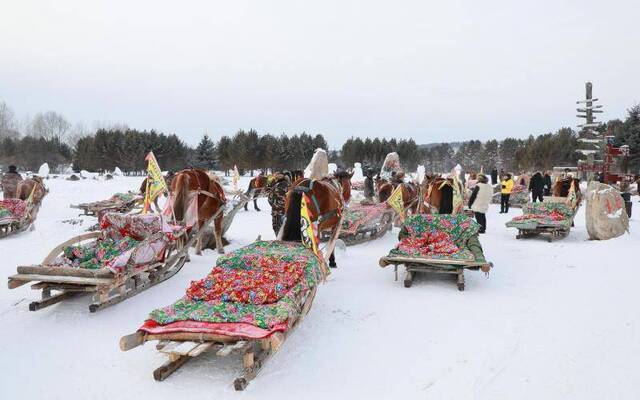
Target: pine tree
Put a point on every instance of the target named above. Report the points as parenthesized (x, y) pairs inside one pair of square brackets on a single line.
[(204, 154)]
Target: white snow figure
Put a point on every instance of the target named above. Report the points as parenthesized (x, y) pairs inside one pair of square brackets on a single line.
[(391, 164), (358, 176), (318, 168), (117, 172), (420, 173), (44, 170), (332, 168)]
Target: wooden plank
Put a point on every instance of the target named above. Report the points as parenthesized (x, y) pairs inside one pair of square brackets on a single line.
[(181, 348), (62, 279), (201, 348), (131, 341), (64, 271), (226, 350), (14, 283)]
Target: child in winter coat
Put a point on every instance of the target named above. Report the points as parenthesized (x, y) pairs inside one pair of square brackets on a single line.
[(480, 199)]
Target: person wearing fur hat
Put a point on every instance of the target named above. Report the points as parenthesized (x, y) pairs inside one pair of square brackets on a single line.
[(480, 199)]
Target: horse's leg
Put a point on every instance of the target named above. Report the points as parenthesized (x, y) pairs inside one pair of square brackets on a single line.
[(218, 233), (332, 260), (255, 204)]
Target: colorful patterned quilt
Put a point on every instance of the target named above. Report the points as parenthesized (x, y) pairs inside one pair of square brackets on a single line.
[(439, 236), (545, 214), (256, 285), (128, 242), (519, 196), (361, 215), (12, 210)]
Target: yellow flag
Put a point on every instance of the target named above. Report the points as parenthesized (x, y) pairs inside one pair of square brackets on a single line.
[(395, 202), (155, 181), (308, 233), (572, 198)]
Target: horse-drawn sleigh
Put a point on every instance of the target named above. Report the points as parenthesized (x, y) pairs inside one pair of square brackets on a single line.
[(438, 243), (19, 214), (253, 298), (131, 252)]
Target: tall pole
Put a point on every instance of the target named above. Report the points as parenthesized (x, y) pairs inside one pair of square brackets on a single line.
[(592, 142)]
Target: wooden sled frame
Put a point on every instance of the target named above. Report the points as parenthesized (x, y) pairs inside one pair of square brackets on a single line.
[(366, 233), (94, 210), (554, 232), (413, 265), (181, 347), (107, 288)]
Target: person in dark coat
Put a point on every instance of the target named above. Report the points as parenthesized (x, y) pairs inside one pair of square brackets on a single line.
[(536, 187), (369, 191), (494, 176), (10, 182), (547, 184)]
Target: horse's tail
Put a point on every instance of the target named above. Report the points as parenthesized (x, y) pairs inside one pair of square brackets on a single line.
[(250, 187), (292, 227), (180, 197)]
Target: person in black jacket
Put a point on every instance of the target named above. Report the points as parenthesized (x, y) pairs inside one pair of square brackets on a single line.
[(547, 184), (536, 186), (494, 176)]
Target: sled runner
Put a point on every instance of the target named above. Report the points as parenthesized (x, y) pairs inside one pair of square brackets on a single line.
[(364, 222), (553, 217), (438, 243), (249, 304), (128, 255), (17, 216), (119, 202)]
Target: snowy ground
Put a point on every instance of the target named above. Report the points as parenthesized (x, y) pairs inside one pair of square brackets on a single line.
[(554, 320)]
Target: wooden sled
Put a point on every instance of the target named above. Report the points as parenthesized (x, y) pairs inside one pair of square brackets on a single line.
[(107, 287), (22, 225), (423, 263), (183, 346), (180, 347), (413, 265), (553, 232), (98, 208), (365, 233)]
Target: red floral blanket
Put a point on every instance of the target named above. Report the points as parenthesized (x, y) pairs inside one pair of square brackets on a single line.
[(12, 210)]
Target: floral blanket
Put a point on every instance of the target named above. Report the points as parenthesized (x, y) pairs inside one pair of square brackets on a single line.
[(127, 242), (12, 210), (438, 236), (361, 215), (548, 214), (256, 285)]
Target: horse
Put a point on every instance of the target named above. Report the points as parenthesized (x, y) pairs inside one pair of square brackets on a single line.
[(344, 179), (257, 186), (325, 208), (29, 185), (437, 195), (562, 186), (210, 202), (409, 193)]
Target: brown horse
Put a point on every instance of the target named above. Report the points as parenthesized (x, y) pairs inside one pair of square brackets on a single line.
[(437, 195), (326, 208), (562, 186), (409, 193), (344, 180), (29, 185), (257, 186), (210, 200)]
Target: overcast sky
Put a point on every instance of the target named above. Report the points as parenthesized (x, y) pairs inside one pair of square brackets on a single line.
[(431, 70)]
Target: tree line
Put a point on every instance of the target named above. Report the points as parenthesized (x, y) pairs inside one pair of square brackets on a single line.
[(49, 137)]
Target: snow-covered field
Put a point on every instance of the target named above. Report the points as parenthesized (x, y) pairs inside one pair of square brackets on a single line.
[(553, 321)]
